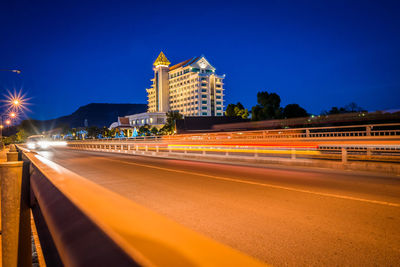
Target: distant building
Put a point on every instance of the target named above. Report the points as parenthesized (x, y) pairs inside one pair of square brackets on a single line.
[(191, 87)]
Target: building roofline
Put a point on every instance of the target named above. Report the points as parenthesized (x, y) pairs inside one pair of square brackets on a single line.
[(184, 63)]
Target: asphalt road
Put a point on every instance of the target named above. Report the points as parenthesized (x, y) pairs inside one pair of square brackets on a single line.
[(283, 217)]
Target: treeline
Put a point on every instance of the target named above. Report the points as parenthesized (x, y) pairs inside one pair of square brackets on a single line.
[(269, 108), (33, 127)]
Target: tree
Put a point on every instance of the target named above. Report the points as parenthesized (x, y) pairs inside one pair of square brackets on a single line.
[(230, 110), (154, 130), (21, 136), (93, 132), (268, 107), (144, 130), (108, 133), (169, 127), (237, 110), (350, 108), (353, 107), (294, 111)]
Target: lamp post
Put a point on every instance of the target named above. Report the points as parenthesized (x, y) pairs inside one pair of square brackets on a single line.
[(16, 71), (7, 122), (16, 103)]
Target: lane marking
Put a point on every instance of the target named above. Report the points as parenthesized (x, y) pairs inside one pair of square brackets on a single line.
[(262, 184)]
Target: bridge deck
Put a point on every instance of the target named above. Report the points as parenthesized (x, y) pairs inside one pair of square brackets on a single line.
[(311, 217)]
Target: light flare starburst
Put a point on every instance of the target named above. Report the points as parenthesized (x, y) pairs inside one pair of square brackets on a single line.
[(16, 102)]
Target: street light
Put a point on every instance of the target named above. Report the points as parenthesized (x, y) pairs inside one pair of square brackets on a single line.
[(7, 122), (16, 103), (16, 71)]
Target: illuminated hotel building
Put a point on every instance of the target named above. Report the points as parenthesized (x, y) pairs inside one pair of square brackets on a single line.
[(191, 87)]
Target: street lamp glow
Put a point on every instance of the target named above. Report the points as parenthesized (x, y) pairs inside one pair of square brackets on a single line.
[(13, 115), (8, 122), (16, 102)]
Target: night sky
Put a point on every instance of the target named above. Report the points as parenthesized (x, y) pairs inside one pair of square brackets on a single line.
[(318, 54)]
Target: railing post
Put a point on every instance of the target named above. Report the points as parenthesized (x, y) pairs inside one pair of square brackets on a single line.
[(15, 215), (368, 130), (344, 155), (157, 149), (12, 155), (307, 132), (369, 152), (146, 148), (256, 153)]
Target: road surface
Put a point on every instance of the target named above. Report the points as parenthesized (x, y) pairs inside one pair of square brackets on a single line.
[(283, 217)]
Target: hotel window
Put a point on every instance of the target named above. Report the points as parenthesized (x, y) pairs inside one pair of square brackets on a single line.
[(204, 102), (204, 113), (203, 90), (204, 107), (218, 91), (219, 114), (204, 79), (218, 86), (205, 96), (203, 84), (218, 108), (218, 97), (219, 103)]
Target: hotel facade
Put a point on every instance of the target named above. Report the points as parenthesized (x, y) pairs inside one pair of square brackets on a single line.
[(191, 87)]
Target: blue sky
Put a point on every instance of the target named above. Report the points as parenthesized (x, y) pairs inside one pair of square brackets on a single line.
[(318, 54)]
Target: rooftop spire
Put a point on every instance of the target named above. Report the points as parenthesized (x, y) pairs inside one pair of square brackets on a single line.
[(161, 60)]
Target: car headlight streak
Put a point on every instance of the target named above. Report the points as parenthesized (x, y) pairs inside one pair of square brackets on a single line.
[(45, 144)]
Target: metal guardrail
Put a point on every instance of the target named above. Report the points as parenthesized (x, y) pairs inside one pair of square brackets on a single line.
[(375, 131), (83, 224), (381, 153)]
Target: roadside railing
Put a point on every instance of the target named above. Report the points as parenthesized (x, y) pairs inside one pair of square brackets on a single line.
[(338, 152), (80, 223), (378, 131)]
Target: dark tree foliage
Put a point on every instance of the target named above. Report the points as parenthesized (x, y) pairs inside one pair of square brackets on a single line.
[(169, 127), (268, 107), (154, 130), (93, 132), (230, 110), (294, 111), (144, 130), (237, 110), (350, 108)]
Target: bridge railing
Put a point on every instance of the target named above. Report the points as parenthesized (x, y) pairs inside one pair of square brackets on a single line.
[(338, 152), (83, 224), (378, 131)]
